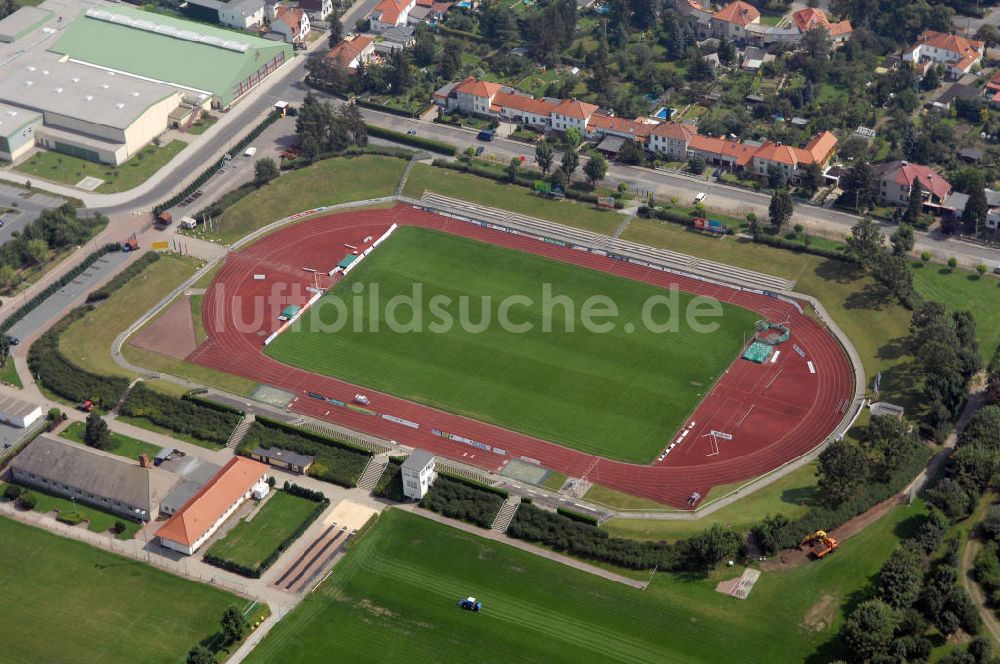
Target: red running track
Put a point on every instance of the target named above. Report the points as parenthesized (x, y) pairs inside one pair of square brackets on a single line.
[(775, 411)]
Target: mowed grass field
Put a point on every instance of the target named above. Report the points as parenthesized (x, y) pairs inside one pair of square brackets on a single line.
[(394, 596), (68, 602), (249, 543), (615, 394)]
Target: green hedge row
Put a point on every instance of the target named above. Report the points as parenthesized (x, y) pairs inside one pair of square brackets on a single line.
[(390, 485), (57, 374), (525, 178), (55, 286), (203, 177), (303, 492), (578, 516), (184, 416), (460, 500), (782, 243), (415, 141), (503, 493), (105, 291), (335, 461)]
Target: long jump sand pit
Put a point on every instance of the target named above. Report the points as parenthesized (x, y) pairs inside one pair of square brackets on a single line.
[(172, 333)]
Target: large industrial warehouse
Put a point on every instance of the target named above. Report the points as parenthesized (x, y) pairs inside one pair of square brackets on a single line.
[(107, 83)]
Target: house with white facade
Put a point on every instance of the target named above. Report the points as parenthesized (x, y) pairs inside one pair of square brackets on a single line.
[(317, 10), (352, 52), (418, 474), (957, 54), (897, 178), (389, 13), (292, 23), (191, 526)]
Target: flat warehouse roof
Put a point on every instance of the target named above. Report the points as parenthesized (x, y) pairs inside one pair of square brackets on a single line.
[(21, 22), (14, 407), (163, 48), (43, 83), (14, 118)]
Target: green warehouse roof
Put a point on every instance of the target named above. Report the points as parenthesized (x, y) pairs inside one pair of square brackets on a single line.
[(168, 49)]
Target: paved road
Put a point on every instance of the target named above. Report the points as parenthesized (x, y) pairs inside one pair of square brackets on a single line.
[(24, 207)]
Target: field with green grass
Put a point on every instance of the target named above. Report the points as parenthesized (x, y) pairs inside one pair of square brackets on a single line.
[(67, 602), (790, 495), (399, 585), (67, 169), (616, 394), (962, 289), (97, 519), (121, 444), (509, 197), (8, 374), (327, 182), (250, 543)]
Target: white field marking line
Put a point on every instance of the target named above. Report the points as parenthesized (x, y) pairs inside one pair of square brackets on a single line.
[(774, 358), (812, 369)]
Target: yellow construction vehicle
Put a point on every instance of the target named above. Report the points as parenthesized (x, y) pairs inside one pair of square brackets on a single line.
[(820, 543), (812, 537)]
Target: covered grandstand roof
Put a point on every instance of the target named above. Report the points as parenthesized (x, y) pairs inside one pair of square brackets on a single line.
[(189, 55)]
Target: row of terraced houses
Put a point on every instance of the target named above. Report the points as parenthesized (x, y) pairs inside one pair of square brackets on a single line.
[(670, 140)]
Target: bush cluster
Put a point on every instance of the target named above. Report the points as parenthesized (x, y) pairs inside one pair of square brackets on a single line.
[(577, 516), (335, 461), (390, 485), (461, 500), (105, 291), (416, 141), (524, 178), (59, 375), (302, 492), (214, 168), (184, 416)]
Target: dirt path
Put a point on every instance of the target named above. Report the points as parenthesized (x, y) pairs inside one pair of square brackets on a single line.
[(789, 558), (972, 547)]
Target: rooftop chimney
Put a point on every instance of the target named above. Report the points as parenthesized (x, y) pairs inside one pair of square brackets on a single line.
[(144, 461)]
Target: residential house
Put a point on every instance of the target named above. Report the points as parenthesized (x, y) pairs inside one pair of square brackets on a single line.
[(352, 52), (993, 214), (240, 14), (790, 159), (317, 10), (572, 114), (957, 54), (202, 515), (897, 178), (131, 489), (287, 459), (389, 13), (732, 20), (671, 140), (395, 38), (291, 23), (811, 18)]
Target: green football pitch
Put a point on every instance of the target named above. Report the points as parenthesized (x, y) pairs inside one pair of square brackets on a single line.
[(394, 598), (619, 394)]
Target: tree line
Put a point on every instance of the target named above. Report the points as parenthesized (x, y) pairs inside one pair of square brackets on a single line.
[(53, 231)]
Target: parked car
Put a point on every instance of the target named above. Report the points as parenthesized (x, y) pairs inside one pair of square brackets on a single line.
[(479, 150), (411, 132), (12, 340), (699, 197)]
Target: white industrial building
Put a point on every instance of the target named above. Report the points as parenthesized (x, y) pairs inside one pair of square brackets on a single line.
[(418, 474), (18, 413)]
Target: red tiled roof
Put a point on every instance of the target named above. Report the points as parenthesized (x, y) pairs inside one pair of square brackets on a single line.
[(575, 108), (994, 83), (814, 19), (348, 49), (477, 88), (821, 146), (740, 153), (391, 9), (204, 508), (621, 125), (290, 16), (905, 173), (962, 47), (782, 154), (679, 132), (523, 103), (738, 12)]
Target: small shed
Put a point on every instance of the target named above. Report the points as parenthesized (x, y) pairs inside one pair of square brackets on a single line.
[(288, 312), (280, 458), (346, 261)]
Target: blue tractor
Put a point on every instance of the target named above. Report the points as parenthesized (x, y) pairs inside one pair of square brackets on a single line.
[(471, 604)]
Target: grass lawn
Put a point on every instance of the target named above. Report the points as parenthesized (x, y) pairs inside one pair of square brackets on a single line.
[(509, 197), (72, 603), (202, 125), (555, 385), (87, 342), (790, 495), (122, 445), (199, 325), (8, 374), (553, 481), (98, 520), (194, 372), (67, 169), (249, 544), (963, 289), (398, 587), (328, 182), (622, 501), (876, 324)]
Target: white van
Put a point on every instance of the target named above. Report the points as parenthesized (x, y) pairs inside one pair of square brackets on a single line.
[(188, 223), (250, 151)]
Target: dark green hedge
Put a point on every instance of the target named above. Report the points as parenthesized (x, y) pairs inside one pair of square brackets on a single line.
[(43, 295), (415, 141), (577, 516), (782, 243), (390, 485), (336, 461), (503, 493), (184, 416), (57, 374), (460, 500)]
